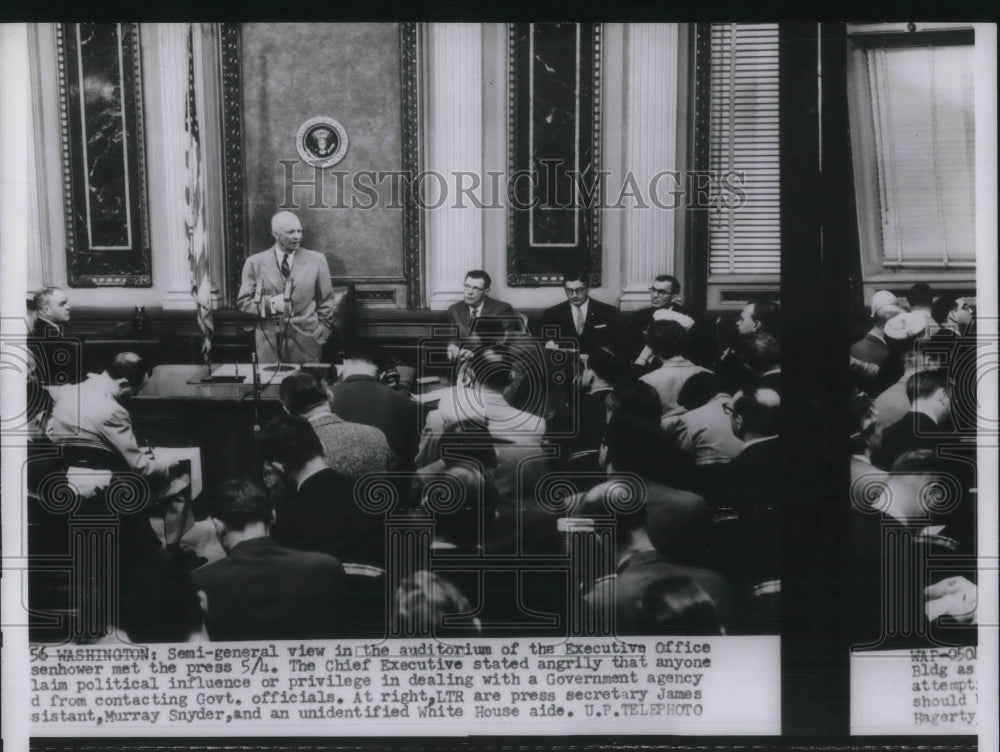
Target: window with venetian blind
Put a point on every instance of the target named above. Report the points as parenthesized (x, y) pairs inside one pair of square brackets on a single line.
[(913, 134), (744, 239)]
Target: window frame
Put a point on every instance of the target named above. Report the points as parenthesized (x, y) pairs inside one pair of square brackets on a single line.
[(862, 38)]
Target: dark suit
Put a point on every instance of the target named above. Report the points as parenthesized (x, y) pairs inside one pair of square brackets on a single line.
[(57, 357), (870, 349), (309, 323), (262, 591), (323, 516), (601, 327), (913, 431), (459, 316), (647, 585), (362, 399)]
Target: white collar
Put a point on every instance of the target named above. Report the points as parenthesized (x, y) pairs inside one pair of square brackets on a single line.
[(758, 441), (279, 254)]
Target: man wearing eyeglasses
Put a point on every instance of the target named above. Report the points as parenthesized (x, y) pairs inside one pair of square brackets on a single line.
[(580, 318), (664, 295), (475, 306)]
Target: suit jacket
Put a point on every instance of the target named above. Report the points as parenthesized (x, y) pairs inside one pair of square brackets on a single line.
[(706, 433), (262, 591), (88, 416), (352, 449), (668, 379), (870, 349), (57, 357), (322, 515), (647, 584), (913, 431), (305, 329), (458, 316), (362, 399), (601, 327), (505, 423)]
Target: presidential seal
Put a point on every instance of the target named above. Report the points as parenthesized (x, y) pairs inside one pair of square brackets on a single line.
[(321, 141)]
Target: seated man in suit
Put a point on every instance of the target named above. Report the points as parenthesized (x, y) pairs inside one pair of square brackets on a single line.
[(56, 358), (323, 513), (866, 437), (762, 355), (262, 590), (894, 545), (289, 288), (585, 320), (92, 415), (926, 423), (668, 341), (664, 295), (487, 373), (352, 449), (661, 537), (476, 304), (360, 397)]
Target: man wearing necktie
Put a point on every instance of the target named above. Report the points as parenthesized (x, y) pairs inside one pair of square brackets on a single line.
[(581, 318), (476, 304), (289, 288)]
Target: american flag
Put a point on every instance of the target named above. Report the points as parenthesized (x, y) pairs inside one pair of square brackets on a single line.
[(194, 197)]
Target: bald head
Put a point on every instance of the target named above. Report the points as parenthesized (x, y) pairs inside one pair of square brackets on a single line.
[(287, 231), (755, 413)]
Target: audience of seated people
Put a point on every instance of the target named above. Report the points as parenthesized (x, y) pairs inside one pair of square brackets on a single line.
[(913, 473), (681, 457)]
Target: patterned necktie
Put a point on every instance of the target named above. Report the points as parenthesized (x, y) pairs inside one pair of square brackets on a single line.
[(579, 319), (472, 317), (285, 268)]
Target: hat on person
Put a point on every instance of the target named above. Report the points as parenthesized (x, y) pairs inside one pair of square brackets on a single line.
[(666, 314), (905, 326), (880, 299)]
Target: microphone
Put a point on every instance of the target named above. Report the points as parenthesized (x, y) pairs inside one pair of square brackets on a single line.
[(257, 294), (288, 297)]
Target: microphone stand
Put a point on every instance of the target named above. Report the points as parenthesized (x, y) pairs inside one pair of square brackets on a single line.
[(252, 331)]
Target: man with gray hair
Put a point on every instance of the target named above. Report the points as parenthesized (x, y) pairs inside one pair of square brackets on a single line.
[(289, 288)]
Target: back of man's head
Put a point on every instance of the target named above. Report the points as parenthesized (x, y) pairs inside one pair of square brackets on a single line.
[(760, 409), (605, 362), (920, 295), (637, 399), (129, 366), (698, 390), (300, 392), (666, 339), (240, 502), (760, 351), (768, 313), (290, 440), (634, 446), (924, 384), (490, 368)]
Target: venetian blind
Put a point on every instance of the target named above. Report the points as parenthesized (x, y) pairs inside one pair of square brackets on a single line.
[(923, 113), (743, 136)]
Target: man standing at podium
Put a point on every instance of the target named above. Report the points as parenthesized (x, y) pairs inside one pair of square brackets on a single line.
[(289, 288)]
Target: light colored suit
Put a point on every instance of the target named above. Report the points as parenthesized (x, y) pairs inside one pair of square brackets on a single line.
[(305, 328)]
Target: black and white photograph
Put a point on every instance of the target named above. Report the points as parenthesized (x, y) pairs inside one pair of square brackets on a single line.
[(587, 382)]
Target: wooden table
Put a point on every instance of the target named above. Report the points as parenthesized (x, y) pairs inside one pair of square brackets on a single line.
[(174, 409)]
